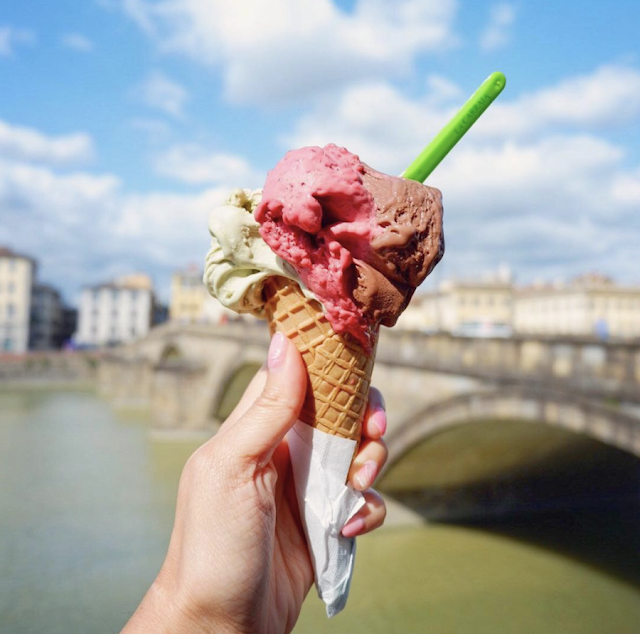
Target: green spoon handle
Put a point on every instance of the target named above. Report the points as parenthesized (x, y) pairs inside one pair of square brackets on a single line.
[(447, 138)]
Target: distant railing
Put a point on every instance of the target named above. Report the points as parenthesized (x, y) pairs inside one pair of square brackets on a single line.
[(588, 366)]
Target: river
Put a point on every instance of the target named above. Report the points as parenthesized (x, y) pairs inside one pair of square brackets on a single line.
[(86, 507)]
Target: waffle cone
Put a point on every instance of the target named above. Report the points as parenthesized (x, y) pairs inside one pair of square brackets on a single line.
[(339, 370)]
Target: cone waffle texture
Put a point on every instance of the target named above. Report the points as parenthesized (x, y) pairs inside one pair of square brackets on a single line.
[(339, 370)]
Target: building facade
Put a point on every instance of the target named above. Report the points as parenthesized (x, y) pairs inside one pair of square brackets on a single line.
[(590, 305), (191, 301), (115, 312), (47, 318), (17, 273), (474, 308)]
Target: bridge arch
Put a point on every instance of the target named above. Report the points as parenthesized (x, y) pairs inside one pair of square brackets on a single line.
[(231, 387), (606, 424), (170, 352)]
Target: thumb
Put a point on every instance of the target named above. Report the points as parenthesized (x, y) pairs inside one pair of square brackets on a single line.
[(260, 430)]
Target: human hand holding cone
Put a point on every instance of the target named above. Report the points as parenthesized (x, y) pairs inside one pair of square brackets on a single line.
[(328, 292), (339, 369), (327, 253)]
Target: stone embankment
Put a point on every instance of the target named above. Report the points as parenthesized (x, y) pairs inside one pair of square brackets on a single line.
[(49, 368)]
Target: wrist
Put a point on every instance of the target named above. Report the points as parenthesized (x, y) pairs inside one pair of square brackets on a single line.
[(165, 611)]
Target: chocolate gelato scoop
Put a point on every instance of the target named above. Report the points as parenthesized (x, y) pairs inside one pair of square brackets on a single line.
[(359, 240), (404, 248)]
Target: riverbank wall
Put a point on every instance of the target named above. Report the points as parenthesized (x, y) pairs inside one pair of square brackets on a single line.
[(52, 368)]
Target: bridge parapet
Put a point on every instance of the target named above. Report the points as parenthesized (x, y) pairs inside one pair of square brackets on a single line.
[(581, 365), (183, 372)]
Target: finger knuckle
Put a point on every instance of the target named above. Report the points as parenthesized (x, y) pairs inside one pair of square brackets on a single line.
[(273, 401), (199, 462), (384, 451), (208, 463)]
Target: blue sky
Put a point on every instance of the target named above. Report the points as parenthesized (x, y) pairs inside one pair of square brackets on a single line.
[(123, 121)]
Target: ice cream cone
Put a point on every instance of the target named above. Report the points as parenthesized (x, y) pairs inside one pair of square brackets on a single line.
[(339, 369)]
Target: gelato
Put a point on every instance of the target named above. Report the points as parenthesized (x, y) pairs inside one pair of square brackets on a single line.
[(239, 260), (361, 241)]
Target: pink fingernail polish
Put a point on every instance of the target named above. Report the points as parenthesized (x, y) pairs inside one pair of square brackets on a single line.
[(353, 527), (367, 474), (380, 420), (277, 349)]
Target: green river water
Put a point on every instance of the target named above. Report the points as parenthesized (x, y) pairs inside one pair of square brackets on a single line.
[(86, 507)]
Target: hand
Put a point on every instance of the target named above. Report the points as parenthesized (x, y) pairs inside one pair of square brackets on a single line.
[(238, 558)]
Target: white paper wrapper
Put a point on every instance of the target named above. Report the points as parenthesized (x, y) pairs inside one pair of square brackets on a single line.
[(320, 467)]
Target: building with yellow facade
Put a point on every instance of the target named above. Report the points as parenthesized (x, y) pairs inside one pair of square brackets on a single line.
[(466, 307), (590, 305), (191, 302)]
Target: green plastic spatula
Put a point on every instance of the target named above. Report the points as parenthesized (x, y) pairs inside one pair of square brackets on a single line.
[(446, 139)]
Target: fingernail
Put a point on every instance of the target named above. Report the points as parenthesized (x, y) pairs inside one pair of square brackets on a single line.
[(276, 351), (379, 418), (367, 474), (353, 527)]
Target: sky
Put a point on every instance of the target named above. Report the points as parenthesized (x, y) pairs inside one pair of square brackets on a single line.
[(123, 122)]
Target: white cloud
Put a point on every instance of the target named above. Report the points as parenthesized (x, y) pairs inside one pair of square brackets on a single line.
[(193, 165), (608, 97), (497, 34), (626, 188), (442, 90), (162, 93), (77, 42), (550, 207), (85, 228), (388, 128), (27, 144), (40, 189), (376, 120), (291, 49), (11, 37)]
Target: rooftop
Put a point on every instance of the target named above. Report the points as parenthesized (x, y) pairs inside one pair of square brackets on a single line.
[(6, 252)]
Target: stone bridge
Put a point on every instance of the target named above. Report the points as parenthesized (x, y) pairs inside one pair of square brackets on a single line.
[(191, 375)]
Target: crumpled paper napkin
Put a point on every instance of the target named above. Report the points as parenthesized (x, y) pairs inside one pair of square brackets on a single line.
[(320, 466)]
